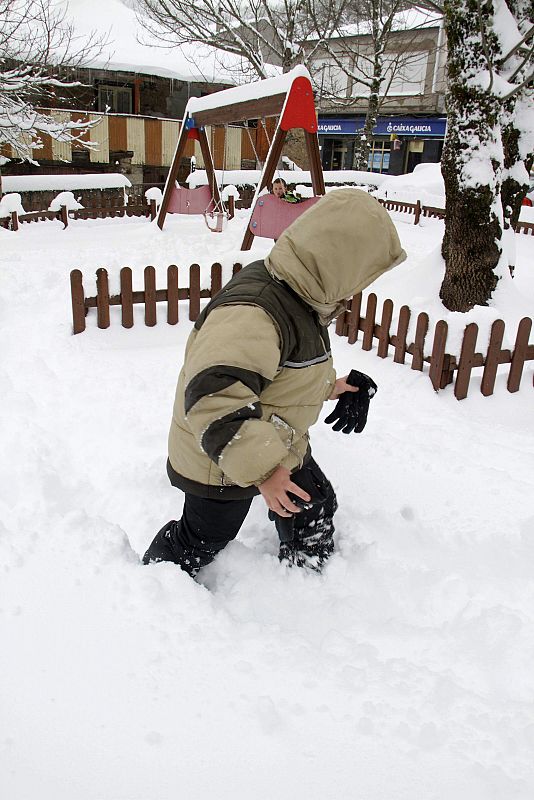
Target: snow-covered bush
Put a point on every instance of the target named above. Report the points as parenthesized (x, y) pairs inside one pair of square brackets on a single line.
[(64, 199), (10, 203), (230, 191), (154, 193)]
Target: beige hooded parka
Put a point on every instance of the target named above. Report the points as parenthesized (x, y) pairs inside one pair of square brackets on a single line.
[(257, 365)]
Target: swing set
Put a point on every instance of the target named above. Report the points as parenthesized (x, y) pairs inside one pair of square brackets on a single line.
[(288, 97)]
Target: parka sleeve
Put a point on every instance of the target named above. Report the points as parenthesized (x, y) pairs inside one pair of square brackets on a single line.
[(235, 355)]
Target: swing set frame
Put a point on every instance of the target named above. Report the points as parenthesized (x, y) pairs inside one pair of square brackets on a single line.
[(290, 98)]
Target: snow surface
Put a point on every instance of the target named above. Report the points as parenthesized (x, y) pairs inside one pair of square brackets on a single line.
[(250, 177), (404, 672), (425, 183), (45, 183)]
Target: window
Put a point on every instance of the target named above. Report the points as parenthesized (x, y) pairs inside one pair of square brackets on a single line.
[(117, 99), (405, 73), (328, 78), (379, 155)]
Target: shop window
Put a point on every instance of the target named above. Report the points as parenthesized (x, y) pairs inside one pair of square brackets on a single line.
[(115, 99), (379, 155)]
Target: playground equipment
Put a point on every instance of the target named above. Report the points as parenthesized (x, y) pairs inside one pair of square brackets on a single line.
[(289, 97)]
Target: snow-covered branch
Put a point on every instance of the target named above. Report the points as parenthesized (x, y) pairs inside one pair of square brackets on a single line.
[(38, 55)]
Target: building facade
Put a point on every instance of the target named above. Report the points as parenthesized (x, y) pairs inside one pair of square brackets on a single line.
[(411, 124)]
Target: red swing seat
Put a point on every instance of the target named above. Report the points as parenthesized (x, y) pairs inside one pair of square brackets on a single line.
[(190, 201), (216, 220), (271, 215)]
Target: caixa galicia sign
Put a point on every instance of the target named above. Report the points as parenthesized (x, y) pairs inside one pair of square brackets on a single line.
[(385, 126)]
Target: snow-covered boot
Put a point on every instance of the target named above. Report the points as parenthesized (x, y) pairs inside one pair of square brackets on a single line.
[(312, 545), (166, 547)]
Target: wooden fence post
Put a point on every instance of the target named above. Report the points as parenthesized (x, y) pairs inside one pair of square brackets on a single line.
[(465, 364), (492, 358), (353, 325), (64, 216), (194, 292), (519, 355), (150, 296), (127, 297), (77, 294), (421, 330), (341, 322), (216, 279), (236, 268), (14, 221), (172, 294), (153, 210), (402, 332), (231, 206), (369, 322), (417, 212), (102, 298), (383, 337), (438, 354)]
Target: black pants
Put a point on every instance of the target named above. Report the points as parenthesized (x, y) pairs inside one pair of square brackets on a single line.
[(207, 526)]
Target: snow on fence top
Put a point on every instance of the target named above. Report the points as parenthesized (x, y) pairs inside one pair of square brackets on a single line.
[(45, 183), (250, 177), (249, 91)]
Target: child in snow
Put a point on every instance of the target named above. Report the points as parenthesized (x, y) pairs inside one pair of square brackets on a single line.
[(256, 373)]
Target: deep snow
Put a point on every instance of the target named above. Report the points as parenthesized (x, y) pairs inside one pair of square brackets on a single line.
[(405, 671)]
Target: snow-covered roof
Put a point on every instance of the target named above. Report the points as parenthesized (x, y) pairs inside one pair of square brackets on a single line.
[(408, 20), (250, 91), (130, 48), (44, 183)]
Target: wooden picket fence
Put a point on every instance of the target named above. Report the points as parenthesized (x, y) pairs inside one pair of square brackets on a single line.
[(444, 368), (103, 210), (418, 210), (149, 296)]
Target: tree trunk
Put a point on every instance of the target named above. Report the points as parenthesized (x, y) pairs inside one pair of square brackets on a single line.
[(362, 146), (471, 245)]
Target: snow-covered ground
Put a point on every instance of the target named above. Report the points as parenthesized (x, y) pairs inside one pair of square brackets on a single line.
[(404, 671)]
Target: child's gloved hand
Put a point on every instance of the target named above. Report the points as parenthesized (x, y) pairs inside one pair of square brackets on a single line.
[(350, 413)]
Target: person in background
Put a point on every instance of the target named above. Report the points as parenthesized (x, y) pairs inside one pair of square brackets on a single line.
[(279, 188), (256, 372)]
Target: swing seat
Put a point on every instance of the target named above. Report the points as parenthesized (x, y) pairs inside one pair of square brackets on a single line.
[(190, 201), (271, 215), (216, 220)]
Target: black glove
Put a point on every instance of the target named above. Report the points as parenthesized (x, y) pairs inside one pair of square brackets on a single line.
[(352, 407)]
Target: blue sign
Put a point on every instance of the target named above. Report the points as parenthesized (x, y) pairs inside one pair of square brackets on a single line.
[(343, 126), (385, 126)]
